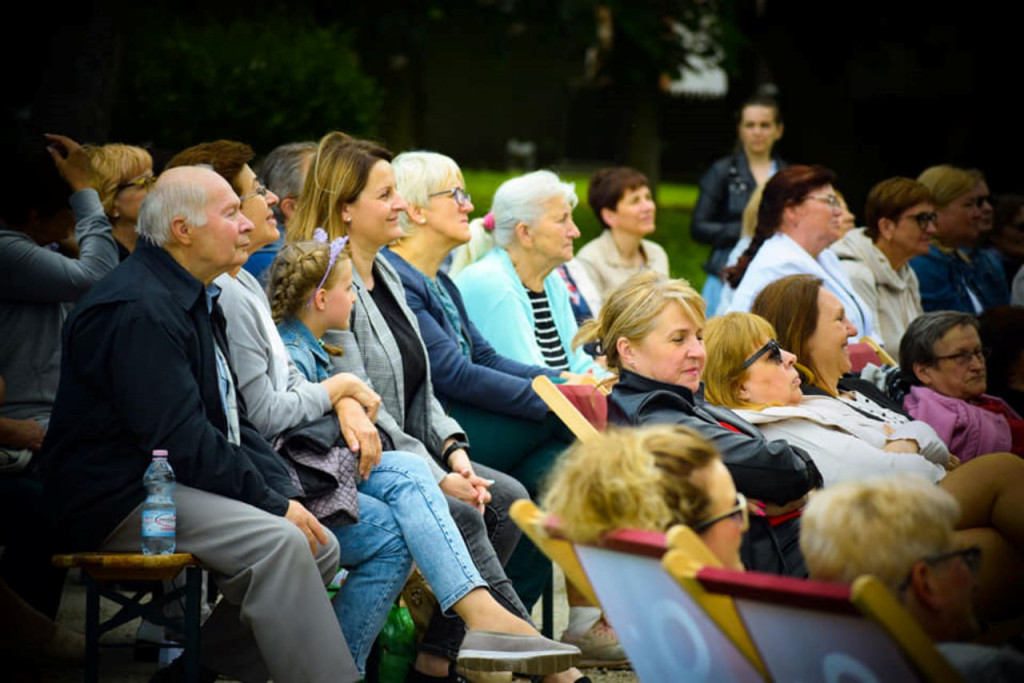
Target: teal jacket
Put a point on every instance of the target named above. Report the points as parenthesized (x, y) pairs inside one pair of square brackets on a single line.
[(498, 305)]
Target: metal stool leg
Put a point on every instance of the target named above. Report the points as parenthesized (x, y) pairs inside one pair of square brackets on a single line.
[(193, 596), (92, 630), (548, 608)]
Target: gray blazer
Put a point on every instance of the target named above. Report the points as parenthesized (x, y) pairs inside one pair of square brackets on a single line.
[(372, 354)]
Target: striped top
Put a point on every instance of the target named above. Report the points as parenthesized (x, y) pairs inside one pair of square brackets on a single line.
[(546, 333)]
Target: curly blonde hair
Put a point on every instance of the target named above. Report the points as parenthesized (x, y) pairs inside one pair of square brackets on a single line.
[(295, 273), (632, 311), (639, 478)]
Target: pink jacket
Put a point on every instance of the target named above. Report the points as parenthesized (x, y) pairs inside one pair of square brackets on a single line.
[(967, 429)]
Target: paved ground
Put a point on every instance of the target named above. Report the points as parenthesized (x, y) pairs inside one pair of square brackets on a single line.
[(118, 666)]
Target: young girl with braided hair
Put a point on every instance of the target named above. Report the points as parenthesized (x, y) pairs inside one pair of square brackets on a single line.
[(310, 290)]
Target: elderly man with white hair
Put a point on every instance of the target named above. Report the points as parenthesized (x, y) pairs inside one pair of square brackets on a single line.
[(145, 367), (900, 529)]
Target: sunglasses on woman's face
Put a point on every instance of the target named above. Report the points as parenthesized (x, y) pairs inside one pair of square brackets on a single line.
[(771, 347)]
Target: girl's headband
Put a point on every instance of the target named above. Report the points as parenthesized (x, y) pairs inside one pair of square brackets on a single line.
[(337, 244)]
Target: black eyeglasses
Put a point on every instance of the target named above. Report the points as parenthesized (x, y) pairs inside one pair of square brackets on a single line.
[(143, 182), (924, 219), (971, 557), (460, 196), (771, 347), (259, 189), (737, 513), (964, 358)]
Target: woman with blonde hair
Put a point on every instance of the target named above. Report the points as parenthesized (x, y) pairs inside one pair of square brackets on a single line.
[(125, 174), (351, 192), (651, 332), (650, 478), (951, 275)]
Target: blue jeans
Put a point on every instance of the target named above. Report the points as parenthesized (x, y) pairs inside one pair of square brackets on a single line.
[(374, 552), (404, 482), (402, 513)]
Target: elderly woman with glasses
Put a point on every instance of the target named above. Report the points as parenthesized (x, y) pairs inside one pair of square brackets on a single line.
[(901, 220), (124, 175), (488, 393), (512, 293), (942, 359), (798, 219)]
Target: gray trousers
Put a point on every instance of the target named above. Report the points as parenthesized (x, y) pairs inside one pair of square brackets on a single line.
[(275, 619)]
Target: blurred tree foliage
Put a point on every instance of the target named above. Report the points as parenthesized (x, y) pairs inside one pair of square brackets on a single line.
[(199, 77)]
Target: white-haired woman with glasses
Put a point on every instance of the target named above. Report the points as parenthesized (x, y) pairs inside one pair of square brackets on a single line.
[(512, 293), (942, 359), (487, 393), (798, 219), (900, 222)]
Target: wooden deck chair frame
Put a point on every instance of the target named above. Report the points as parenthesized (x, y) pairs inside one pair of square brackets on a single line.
[(563, 408), (686, 555), (867, 597), (531, 519), (655, 546), (882, 353)]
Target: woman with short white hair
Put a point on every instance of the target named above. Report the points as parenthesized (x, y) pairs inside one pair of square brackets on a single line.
[(512, 294), (488, 394)]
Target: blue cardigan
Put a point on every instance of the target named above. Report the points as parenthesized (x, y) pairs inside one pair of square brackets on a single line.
[(487, 380), (500, 307)]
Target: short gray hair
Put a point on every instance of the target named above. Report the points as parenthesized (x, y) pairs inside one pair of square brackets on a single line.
[(418, 175), (281, 170), (920, 337), (167, 200), (522, 199)]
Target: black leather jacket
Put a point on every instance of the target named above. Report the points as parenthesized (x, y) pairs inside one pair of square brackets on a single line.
[(717, 218), (771, 471)]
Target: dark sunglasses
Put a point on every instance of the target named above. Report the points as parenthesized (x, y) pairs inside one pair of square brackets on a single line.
[(771, 347)]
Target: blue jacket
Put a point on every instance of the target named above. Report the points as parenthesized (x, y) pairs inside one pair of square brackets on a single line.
[(139, 372), (486, 380), (945, 276)]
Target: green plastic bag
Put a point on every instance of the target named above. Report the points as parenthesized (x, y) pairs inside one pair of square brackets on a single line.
[(397, 644)]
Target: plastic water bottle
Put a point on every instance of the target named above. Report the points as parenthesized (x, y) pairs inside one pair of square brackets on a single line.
[(158, 516)]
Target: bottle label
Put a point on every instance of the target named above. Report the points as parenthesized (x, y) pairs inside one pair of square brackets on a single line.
[(158, 523)]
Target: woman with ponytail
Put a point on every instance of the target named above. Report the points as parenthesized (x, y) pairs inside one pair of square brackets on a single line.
[(799, 218)]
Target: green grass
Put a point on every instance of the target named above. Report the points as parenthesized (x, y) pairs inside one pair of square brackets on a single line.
[(675, 205)]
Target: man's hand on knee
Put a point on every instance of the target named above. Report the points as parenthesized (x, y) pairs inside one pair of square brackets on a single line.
[(307, 523)]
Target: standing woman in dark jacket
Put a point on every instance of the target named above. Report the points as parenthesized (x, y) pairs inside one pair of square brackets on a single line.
[(651, 330), (726, 187)]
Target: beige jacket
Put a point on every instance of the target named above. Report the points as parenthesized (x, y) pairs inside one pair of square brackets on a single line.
[(606, 269), (893, 296)]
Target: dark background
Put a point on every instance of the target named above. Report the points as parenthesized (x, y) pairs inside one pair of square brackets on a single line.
[(871, 89)]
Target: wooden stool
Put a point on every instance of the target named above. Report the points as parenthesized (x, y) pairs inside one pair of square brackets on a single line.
[(102, 571)]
